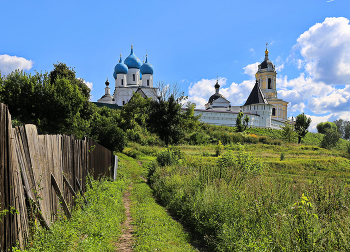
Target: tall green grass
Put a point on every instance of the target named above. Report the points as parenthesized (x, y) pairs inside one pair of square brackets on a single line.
[(93, 227), (236, 205)]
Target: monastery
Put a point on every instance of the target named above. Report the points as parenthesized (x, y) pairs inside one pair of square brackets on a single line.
[(262, 106)]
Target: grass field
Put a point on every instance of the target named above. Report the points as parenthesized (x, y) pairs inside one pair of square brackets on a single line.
[(252, 199)]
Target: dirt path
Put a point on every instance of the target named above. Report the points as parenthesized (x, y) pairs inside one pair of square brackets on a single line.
[(125, 242)]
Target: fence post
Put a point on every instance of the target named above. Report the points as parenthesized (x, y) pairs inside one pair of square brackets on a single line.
[(115, 170)]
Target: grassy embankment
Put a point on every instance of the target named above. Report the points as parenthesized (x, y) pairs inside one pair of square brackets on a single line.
[(154, 229), (284, 197), (93, 227), (97, 226)]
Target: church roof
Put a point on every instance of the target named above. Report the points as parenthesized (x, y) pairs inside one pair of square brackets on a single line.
[(256, 96), (266, 62), (120, 68), (139, 91), (146, 68), (132, 61), (214, 97)]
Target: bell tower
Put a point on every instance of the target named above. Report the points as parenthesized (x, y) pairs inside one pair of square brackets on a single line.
[(266, 78)]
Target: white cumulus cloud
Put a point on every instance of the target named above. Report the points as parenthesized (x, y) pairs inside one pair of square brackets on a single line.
[(237, 94), (251, 69), (10, 63), (325, 48), (321, 90)]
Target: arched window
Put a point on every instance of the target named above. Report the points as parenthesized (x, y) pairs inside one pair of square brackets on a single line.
[(122, 82), (123, 102), (147, 82), (273, 112), (269, 84), (133, 77)]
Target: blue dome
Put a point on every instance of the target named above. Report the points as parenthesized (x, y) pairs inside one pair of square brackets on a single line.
[(146, 68), (120, 68), (132, 61)]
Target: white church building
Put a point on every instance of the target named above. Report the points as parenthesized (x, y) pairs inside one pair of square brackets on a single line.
[(130, 76), (262, 106)]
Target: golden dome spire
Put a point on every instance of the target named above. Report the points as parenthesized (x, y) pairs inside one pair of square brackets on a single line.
[(266, 51)]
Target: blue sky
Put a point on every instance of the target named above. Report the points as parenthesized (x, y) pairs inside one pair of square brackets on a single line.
[(190, 43)]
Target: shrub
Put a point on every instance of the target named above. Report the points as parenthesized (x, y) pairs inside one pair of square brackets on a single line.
[(198, 138), (218, 148), (330, 138), (253, 139), (170, 156)]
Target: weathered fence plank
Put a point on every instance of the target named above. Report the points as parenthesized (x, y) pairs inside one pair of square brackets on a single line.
[(43, 172)]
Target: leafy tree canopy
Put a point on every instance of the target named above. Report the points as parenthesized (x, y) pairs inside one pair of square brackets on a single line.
[(330, 138), (241, 126), (322, 127), (165, 120), (302, 123)]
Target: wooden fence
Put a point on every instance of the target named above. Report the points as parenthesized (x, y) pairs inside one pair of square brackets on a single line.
[(40, 174)]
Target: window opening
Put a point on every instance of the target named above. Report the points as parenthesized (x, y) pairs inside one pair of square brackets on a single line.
[(273, 112), (133, 77), (122, 82), (147, 82), (269, 84)]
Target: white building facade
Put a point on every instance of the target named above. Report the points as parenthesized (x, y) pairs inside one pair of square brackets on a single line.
[(130, 76), (262, 107)]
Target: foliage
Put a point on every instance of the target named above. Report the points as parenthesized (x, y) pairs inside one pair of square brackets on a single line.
[(155, 229), (343, 128), (165, 119), (135, 112), (198, 138), (322, 127), (54, 105), (288, 133), (105, 130), (330, 138), (237, 209), (93, 227), (62, 71), (191, 122), (169, 156), (219, 148), (241, 126), (301, 126)]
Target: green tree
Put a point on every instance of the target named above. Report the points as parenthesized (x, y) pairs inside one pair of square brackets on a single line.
[(343, 128), (302, 123), (288, 132), (63, 103), (330, 138), (135, 112), (105, 130), (346, 130), (241, 126), (340, 126), (55, 105), (62, 71), (191, 121), (322, 127), (23, 94), (165, 119)]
